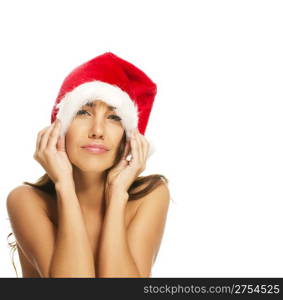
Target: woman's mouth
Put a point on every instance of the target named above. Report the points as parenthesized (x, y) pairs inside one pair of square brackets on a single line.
[(95, 150)]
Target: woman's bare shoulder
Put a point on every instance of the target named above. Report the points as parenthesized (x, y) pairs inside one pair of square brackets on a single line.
[(30, 193), (162, 184), (159, 187)]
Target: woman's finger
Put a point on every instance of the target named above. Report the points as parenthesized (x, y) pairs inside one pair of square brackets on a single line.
[(38, 141), (134, 148), (61, 143), (39, 136), (145, 147), (126, 150), (53, 137), (44, 138), (140, 146)]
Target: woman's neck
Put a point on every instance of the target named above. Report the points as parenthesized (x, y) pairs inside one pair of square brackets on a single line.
[(90, 189)]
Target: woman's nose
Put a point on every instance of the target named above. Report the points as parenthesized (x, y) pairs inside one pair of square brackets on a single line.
[(97, 128)]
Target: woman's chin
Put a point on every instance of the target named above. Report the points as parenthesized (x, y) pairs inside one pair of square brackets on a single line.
[(92, 168)]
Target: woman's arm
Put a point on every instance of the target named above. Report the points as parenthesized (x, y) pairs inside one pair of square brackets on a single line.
[(131, 252), (72, 255), (115, 259)]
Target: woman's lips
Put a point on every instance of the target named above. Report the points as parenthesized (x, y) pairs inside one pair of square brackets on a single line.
[(95, 150)]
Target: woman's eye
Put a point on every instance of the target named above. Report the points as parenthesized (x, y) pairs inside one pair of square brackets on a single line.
[(82, 112), (116, 117)]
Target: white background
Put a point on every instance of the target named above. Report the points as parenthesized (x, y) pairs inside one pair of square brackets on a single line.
[(216, 119)]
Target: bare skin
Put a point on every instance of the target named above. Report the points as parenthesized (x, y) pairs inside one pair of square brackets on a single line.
[(75, 233), (93, 224)]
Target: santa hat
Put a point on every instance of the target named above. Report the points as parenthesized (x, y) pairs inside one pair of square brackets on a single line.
[(116, 82)]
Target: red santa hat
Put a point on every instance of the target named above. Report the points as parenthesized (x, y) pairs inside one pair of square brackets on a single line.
[(113, 80)]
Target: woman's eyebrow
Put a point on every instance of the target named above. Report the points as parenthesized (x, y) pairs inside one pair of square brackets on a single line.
[(91, 104)]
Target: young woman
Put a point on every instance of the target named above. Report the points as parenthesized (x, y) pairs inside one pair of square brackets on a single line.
[(90, 215)]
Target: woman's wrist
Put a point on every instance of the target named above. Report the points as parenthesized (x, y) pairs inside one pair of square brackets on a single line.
[(117, 196), (64, 185), (66, 194)]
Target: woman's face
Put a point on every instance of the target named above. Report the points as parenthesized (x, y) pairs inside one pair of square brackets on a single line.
[(94, 123)]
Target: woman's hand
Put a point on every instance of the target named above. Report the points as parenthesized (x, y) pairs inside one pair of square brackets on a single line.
[(121, 177), (51, 154)]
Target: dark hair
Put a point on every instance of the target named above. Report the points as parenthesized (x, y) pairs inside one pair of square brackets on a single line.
[(45, 184)]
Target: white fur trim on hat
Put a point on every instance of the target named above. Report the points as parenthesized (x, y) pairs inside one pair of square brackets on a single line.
[(110, 94)]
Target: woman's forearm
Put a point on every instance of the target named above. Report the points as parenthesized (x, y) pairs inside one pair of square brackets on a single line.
[(114, 253), (72, 255)]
